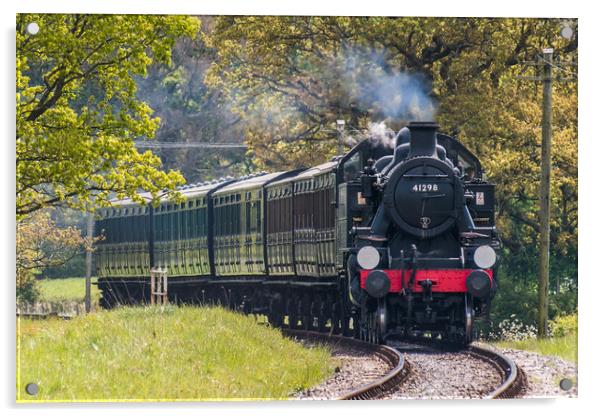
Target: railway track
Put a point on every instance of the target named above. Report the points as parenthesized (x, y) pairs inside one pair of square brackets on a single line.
[(476, 363), (375, 389), (512, 378)]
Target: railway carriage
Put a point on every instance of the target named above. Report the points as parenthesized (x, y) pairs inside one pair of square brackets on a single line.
[(379, 241)]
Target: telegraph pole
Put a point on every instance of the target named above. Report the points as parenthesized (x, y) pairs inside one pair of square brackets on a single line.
[(544, 213), (546, 78)]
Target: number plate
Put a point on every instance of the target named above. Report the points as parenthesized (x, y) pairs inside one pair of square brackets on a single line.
[(425, 188)]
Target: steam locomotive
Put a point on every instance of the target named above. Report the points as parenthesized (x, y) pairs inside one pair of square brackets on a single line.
[(377, 242)]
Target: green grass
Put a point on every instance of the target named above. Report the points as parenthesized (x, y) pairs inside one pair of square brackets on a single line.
[(66, 289), (174, 353), (564, 346)]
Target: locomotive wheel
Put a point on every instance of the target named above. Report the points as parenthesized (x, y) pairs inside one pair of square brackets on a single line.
[(372, 328), (363, 331), (468, 321), (375, 335), (356, 326), (375, 329), (368, 328)]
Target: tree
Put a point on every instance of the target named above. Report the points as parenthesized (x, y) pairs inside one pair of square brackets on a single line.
[(40, 245), (191, 112), (77, 110)]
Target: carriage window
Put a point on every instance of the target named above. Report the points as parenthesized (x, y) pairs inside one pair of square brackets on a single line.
[(196, 221), (184, 230), (258, 215), (190, 224), (237, 219), (167, 226), (141, 228), (177, 225), (135, 230), (252, 217)]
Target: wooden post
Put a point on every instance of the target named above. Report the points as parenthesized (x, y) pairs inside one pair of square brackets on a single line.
[(152, 286), (164, 279), (158, 286), (90, 234), (544, 214)]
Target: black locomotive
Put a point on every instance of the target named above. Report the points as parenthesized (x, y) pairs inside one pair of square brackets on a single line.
[(377, 242)]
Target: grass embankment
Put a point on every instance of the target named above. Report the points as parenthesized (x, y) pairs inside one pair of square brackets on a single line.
[(164, 354), (66, 289), (564, 347)]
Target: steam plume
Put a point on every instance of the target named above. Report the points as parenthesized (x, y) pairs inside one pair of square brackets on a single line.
[(375, 86)]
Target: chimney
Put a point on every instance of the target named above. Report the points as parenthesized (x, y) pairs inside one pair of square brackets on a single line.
[(423, 139)]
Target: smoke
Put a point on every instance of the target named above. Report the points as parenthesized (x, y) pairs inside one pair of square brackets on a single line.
[(402, 96), (380, 134), (377, 134), (375, 86)]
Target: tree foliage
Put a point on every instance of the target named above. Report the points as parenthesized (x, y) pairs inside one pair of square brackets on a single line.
[(192, 113), (290, 78), (40, 245), (77, 110)]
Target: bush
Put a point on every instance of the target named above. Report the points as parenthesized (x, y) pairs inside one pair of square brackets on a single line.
[(564, 325), (27, 290), (512, 329), (75, 267)]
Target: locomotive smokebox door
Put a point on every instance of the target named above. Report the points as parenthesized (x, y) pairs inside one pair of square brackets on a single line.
[(423, 196)]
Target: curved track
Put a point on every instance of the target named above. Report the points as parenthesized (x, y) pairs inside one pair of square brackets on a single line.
[(513, 379), (377, 388)]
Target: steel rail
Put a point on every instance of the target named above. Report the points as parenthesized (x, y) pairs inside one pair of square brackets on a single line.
[(514, 379), (513, 383), (375, 389)]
